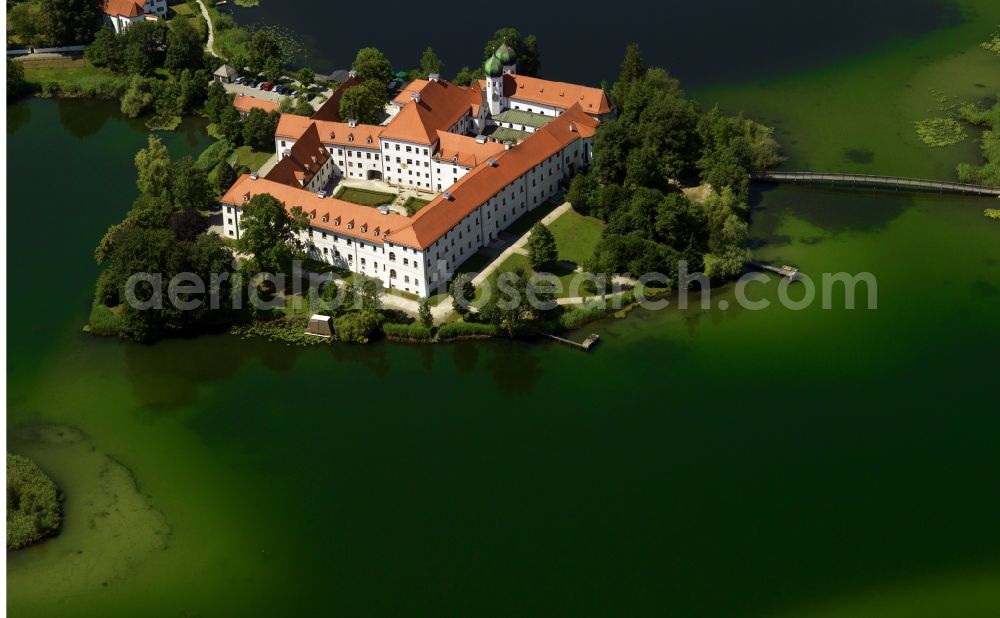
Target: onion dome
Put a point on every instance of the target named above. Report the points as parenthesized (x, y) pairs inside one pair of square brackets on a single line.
[(493, 67), (506, 55)]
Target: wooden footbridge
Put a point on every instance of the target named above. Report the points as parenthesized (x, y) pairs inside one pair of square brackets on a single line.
[(862, 181)]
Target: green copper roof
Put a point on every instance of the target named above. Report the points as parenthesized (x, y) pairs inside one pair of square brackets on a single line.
[(506, 55), (493, 67)]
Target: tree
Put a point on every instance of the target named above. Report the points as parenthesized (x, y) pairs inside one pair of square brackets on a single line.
[(184, 47), (430, 63), (462, 293), (272, 69), (372, 65), (225, 177), (541, 246), (306, 76), (32, 503), (105, 50), (357, 326), (528, 59), (510, 306), (425, 314), (143, 43), (28, 22), (231, 125), (217, 101), (303, 107), (16, 84), (365, 292), (187, 224), (270, 233), (464, 77), (262, 47), (70, 22), (364, 103), (633, 67), (189, 186), (138, 97), (153, 168), (258, 129)]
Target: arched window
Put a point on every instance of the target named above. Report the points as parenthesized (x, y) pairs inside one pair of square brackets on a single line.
[(392, 256), (392, 273)]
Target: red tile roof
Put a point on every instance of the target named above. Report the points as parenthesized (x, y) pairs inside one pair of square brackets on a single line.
[(291, 126), (556, 94), (485, 181), (245, 103), (465, 151), (331, 214), (441, 105), (304, 160), (124, 8)]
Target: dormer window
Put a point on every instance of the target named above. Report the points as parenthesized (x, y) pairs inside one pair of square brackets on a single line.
[(364, 228), (336, 221), (350, 137), (326, 217)]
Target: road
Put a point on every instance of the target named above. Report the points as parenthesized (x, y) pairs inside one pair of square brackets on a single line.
[(210, 45)]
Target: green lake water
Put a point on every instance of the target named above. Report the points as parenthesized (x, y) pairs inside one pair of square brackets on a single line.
[(711, 463)]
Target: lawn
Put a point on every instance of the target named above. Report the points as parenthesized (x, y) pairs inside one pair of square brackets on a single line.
[(365, 197), (413, 204), (67, 72), (244, 155), (562, 271), (576, 236), (529, 219), (188, 12)]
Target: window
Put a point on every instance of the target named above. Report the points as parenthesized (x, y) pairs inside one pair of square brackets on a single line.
[(392, 256)]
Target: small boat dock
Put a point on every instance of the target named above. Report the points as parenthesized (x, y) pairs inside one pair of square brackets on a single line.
[(585, 346), (785, 271)]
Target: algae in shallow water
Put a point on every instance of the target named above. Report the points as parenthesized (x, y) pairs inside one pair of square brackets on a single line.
[(109, 527), (939, 132)]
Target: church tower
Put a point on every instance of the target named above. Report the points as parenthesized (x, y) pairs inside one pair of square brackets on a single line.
[(494, 84), (507, 57)]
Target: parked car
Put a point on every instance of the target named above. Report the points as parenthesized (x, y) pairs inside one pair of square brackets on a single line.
[(295, 94), (267, 86), (281, 89), (310, 96)]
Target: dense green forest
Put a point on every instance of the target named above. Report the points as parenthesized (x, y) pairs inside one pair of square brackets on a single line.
[(660, 141)]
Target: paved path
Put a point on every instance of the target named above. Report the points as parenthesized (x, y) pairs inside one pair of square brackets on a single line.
[(210, 45)]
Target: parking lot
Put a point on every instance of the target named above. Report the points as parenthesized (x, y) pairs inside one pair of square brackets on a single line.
[(265, 95)]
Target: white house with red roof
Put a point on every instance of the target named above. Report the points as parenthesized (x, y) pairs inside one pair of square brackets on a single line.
[(492, 152), (121, 13)]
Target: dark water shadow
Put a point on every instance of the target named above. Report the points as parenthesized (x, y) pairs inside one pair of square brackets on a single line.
[(82, 118), (18, 115), (834, 210)]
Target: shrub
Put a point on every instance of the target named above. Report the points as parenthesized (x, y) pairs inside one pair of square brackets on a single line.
[(103, 320), (214, 155), (32, 503), (416, 332), (51, 89), (357, 326), (459, 330)]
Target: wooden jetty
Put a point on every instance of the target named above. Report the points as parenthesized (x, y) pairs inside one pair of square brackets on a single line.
[(785, 271), (588, 343), (863, 181)]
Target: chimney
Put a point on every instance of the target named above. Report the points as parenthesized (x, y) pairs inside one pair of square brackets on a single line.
[(352, 73), (415, 96), (351, 122), (480, 139), (508, 145), (434, 77), (254, 176)]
